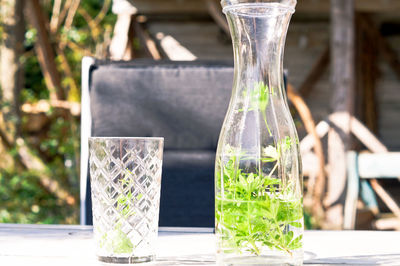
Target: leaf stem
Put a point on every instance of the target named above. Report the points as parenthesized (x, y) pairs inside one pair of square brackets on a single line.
[(265, 121), (273, 170), (256, 249)]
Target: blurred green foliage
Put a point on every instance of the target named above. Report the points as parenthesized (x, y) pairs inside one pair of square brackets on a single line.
[(35, 87), (23, 198)]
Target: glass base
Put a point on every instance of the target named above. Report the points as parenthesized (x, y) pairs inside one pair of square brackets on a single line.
[(126, 260), (260, 260)]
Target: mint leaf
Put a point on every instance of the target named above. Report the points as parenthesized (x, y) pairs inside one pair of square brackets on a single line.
[(120, 243), (257, 209), (116, 240)]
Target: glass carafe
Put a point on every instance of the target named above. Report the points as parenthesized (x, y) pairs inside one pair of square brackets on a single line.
[(258, 179)]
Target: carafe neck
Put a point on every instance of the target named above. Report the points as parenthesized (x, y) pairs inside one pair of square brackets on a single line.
[(258, 34)]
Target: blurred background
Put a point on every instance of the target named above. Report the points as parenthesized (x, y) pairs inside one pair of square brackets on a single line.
[(42, 43)]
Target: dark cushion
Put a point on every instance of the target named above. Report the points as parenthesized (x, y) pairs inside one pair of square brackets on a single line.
[(184, 102), (187, 191)]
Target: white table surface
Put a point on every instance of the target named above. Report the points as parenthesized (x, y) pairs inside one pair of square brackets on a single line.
[(73, 245)]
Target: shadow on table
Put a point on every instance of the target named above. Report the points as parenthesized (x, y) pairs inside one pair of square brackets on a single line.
[(379, 259), (209, 259), (206, 259)]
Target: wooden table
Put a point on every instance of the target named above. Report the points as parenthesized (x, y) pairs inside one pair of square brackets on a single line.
[(73, 245)]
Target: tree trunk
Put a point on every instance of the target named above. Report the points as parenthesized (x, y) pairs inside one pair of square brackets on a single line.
[(11, 72), (342, 82), (44, 50)]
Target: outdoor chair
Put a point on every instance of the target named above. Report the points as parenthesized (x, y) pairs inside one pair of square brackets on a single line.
[(362, 167), (184, 102)]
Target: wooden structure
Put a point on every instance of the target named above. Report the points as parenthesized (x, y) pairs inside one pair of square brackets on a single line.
[(303, 6), (342, 43)]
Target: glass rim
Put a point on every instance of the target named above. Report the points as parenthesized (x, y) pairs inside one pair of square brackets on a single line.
[(288, 3), (126, 138), (273, 5)]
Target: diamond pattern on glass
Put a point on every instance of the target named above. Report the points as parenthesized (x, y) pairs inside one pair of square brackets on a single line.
[(125, 182)]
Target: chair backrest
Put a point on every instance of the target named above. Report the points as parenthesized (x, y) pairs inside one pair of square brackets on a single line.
[(374, 165), (184, 102), (363, 166)]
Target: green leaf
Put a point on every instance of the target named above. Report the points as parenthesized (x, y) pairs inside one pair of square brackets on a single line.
[(288, 237), (296, 243), (286, 144), (139, 196), (255, 210), (121, 243), (269, 181), (250, 178), (296, 224)]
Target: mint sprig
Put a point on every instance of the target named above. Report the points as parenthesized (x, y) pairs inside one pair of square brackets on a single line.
[(259, 98), (255, 213), (256, 209), (116, 241)]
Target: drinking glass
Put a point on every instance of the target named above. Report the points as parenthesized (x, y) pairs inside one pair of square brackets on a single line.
[(125, 176)]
